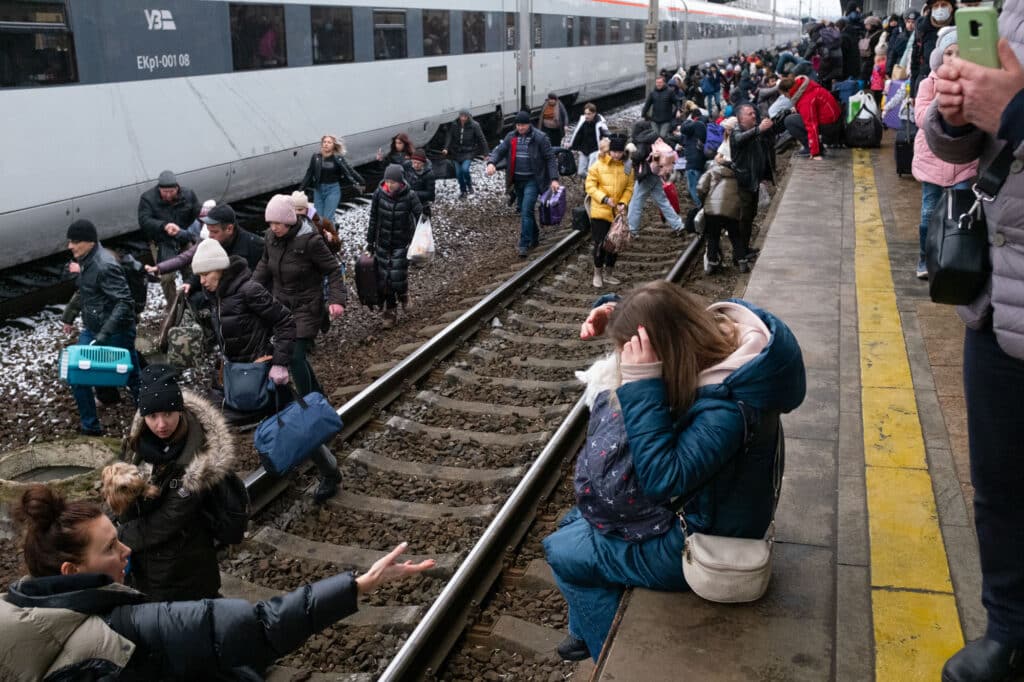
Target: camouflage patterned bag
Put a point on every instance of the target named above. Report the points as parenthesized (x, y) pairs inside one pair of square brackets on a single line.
[(185, 343)]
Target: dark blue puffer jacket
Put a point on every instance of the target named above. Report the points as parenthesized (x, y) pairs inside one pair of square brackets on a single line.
[(696, 456)]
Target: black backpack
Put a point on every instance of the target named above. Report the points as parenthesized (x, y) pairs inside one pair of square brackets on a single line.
[(566, 161), (226, 509)]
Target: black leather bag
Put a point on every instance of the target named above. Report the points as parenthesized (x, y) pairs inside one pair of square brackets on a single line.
[(957, 250), (245, 385)]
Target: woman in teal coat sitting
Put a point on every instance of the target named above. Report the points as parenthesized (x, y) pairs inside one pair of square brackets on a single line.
[(667, 425)]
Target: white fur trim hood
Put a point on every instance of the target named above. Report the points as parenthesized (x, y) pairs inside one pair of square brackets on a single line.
[(214, 460), (605, 374)]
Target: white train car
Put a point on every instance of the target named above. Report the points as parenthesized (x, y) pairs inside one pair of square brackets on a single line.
[(99, 97)]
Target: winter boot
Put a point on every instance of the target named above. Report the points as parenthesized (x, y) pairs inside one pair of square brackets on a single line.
[(598, 280), (609, 277)]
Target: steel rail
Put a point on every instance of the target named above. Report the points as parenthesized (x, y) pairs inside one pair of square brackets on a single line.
[(264, 488), (436, 634)]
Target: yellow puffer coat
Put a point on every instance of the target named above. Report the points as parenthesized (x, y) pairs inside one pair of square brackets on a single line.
[(608, 178)]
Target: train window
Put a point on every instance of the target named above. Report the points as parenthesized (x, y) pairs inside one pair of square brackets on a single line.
[(332, 34), (437, 38), (474, 32), (389, 35), (510, 31), (538, 33), (638, 31), (663, 31), (257, 36), (600, 31), (585, 34), (36, 46), (437, 73), (570, 26), (614, 32)]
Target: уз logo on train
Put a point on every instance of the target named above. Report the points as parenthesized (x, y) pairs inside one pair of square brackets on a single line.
[(160, 20)]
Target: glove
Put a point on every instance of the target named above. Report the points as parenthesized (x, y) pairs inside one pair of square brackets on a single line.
[(279, 374)]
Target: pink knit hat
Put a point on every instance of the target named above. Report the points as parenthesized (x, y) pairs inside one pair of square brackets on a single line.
[(279, 210)]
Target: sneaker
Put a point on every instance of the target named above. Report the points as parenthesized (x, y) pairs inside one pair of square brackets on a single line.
[(635, 236), (327, 489), (573, 649), (462, 194), (523, 252), (92, 433), (710, 265), (803, 153), (610, 278), (470, 190)]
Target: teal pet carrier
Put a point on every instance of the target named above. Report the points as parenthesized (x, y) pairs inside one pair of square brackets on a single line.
[(95, 365)]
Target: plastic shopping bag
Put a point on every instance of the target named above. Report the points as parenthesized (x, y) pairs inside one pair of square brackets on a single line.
[(421, 249), (764, 199)]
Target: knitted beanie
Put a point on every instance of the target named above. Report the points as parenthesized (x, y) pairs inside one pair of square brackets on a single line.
[(947, 37), (300, 202), (82, 231), (209, 256), (394, 172), (159, 390), (279, 210)]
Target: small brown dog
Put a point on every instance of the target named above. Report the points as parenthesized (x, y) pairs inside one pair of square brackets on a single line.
[(122, 484)]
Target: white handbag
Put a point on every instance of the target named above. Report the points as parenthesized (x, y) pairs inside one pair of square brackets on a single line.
[(733, 570)]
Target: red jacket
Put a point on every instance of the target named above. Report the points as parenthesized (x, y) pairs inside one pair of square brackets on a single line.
[(816, 106)]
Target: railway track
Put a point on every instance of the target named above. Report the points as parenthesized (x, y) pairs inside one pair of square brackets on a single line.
[(451, 448)]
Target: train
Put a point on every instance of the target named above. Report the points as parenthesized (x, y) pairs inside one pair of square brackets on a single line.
[(234, 96)]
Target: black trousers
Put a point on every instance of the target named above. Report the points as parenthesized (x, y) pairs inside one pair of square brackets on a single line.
[(598, 231), (994, 389), (555, 135), (714, 225), (795, 125)]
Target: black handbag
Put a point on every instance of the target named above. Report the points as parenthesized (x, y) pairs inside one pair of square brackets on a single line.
[(245, 385), (957, 250)]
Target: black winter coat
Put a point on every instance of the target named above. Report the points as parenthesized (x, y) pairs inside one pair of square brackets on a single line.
[(422, 183), (173, 553), (104, 295), (897, 46), (246, 316), (926, 35), (154, 213), (292, 269), (393, 219), (116, 634), (851, 52), (752, 157), (694, 134), (345, 170), (465, 141), (662, 105), (644, 135)]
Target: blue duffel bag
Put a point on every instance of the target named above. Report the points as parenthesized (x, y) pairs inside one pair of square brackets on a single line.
[(286, 439)]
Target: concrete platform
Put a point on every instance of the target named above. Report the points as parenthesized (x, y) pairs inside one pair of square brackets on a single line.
[(876, 572)]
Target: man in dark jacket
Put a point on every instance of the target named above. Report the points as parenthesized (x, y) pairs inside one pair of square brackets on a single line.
[(222, 226), (849, 36), (108, 313), (647, 184), (465, 139), (165, 214), (694, 132), (419, 175), (898, 41), (752, 145), (660, 107), (531, 166)]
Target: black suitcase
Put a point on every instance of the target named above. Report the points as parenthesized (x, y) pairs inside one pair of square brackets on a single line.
[(580, 220), (904, 149), (366, 280)]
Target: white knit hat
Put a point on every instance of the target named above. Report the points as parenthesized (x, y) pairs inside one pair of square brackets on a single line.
[(300, 202), (210, 255)]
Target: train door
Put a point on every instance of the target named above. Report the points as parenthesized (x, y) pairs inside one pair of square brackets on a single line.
[(511, 62)]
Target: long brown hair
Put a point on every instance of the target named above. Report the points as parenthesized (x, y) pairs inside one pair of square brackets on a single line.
[(53, 529), (409, 148), (686, 337)]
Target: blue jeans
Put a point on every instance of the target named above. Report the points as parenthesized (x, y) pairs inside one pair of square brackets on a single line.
[(527, 192), (84, 396), (641, 189), (592, 571), (326, 199), (931, 194), (462, 175), (715, 97), (692, 177), (994, 389)]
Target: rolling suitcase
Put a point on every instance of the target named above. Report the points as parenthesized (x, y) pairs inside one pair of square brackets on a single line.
[(366, 280), (904, 148)]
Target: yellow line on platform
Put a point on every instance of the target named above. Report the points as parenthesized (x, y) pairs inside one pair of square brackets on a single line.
[(915, 616)]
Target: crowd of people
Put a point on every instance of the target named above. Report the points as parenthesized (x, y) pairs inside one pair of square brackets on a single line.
[(687, 388)]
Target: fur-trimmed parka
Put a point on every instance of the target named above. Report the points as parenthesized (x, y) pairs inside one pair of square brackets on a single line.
[(173, 552)]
